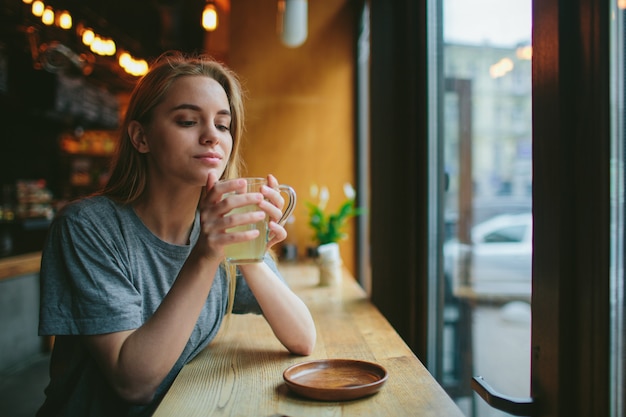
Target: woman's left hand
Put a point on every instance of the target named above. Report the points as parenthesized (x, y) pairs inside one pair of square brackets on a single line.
[(273, 206)]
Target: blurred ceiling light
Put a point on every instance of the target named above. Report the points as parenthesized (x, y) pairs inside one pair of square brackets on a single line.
[(37, 8), (140, 68), (27, 1), (110, 47), (96, 45), (124, 59), (88, 37), (48, 16), (132, 66), (209, 17), (102, 46), (64, 20), (292, 22)]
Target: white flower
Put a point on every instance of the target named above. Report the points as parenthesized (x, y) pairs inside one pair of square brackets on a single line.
[(348, 190), (313, 190), (324, 197)]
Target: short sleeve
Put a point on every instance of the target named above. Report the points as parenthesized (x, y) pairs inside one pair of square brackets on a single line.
[(85, 287)]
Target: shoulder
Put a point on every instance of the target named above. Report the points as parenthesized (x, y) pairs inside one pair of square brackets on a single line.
[(88, 206), (91, 215), (98, 209)]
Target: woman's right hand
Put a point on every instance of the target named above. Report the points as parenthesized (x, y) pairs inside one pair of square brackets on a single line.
[(214, 220)]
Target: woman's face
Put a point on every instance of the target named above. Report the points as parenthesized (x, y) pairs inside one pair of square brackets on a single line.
[(189, 134)]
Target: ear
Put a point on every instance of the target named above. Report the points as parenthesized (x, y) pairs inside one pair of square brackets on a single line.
[(138, 137)]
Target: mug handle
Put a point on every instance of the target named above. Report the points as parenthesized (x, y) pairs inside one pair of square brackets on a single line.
[(291, 203)]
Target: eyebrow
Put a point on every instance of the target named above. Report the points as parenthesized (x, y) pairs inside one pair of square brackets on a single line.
[(187, 106)]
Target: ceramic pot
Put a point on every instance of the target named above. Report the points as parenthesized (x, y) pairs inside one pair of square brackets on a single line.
[(329, 262)]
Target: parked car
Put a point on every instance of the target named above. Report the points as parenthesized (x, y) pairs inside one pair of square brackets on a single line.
[(484, 209), (497, 264)]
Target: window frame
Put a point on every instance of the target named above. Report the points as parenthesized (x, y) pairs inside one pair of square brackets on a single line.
[(571, 207), (571, 193)]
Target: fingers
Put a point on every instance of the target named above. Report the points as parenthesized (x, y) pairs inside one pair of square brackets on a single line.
[(211, 180), (219, 227), (272, 181), (238, 185), (273, 195), (274, 207), (277, 234), (215, 189), (249, 215)]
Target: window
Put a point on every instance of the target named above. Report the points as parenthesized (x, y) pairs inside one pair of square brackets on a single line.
[(576, 352)]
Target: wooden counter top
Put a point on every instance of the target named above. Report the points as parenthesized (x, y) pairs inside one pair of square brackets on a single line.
[(20, 265), (240, 372)]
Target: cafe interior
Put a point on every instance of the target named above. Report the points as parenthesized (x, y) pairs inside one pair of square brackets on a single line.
[(339, 104)]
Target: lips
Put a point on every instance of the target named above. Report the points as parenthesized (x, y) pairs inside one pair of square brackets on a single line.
[(210, 157)]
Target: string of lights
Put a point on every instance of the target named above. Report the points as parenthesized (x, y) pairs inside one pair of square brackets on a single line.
[(97, 43)]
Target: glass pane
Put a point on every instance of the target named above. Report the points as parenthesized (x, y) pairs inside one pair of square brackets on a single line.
[(486, 131), (618, 287)]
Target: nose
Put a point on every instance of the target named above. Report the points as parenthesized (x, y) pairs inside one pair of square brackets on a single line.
[(210, 135)]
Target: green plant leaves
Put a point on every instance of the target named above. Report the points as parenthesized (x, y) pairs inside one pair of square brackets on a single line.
[(329, 228)]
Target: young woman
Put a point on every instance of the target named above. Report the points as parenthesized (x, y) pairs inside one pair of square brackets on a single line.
[(133, 279)]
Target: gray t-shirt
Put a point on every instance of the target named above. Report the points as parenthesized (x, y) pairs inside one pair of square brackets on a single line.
[(103, 271)]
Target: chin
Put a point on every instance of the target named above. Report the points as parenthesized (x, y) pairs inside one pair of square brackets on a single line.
[(202, 180)]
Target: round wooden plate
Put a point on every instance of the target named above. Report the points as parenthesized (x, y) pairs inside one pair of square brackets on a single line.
[(335, 379)]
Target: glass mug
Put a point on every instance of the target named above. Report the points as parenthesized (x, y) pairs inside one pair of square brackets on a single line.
[(254, 250)]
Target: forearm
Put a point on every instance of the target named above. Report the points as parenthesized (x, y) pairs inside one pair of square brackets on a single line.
[(285, 312)]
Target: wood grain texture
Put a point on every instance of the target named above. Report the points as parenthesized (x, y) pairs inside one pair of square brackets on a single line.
[(20, 265), (240, 372)]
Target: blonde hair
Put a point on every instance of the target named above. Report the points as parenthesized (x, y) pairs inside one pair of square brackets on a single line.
[(129, 167)]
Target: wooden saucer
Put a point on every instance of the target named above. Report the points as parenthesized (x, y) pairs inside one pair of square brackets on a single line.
[(335, 379)]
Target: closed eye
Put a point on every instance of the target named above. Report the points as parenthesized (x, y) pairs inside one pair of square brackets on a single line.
[(186, 123)]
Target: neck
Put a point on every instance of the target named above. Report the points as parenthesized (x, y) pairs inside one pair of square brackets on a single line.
[(169, 216)]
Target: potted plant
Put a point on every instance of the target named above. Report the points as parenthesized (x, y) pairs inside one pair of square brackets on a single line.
[(328, 230)]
